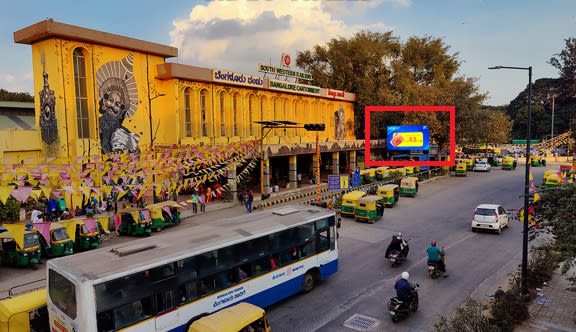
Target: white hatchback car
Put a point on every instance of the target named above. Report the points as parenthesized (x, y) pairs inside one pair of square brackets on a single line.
[(490, 217), (481, 166)]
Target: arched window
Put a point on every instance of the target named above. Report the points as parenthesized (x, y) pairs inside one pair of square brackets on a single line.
[(235, 103), (203, 111), (187, 112), (80, 87), (222, 115)]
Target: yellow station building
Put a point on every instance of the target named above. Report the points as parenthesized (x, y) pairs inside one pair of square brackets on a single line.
[(98, 92)]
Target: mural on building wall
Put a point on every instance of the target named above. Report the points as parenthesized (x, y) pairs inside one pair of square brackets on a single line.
[(118, 96), (339, 123), (47, 111)]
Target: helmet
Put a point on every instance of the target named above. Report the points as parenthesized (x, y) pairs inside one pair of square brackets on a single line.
[(405, 275), (397, 236), (433, 243)]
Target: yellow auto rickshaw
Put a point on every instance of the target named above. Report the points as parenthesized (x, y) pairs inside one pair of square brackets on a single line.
[(239, 317), (164, 214), (20, 246), (509, 163), (349, 202), (382, 173), (409, 186), (469, 163), (85, 232), (461, 169), (24, 312), (54, 239), (367, 176), (369, 208), (390, 193), (133, 221), (553, 180)]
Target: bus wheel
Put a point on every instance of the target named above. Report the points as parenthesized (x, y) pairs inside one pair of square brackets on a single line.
[(308, 282)]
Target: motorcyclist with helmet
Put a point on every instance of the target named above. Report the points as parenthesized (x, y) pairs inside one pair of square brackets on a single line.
[(398, 244), (436, 256), (405, 291)]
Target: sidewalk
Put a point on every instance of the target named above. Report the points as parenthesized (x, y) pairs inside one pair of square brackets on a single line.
[(553, 309)]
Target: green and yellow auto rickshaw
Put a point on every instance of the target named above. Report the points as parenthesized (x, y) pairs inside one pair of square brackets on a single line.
[(369, 208), (367, 176), (553, 180), (54, 239), (382, 173), (19, 247), (410, 170), (349, 202), (85, 232), (469, 163), (24, 312), (409, 186), (390, 194), (164, 214), (461, 169), (133, 221), (508, 163)]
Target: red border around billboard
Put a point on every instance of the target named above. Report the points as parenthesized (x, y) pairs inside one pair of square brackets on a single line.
[(369, 162)]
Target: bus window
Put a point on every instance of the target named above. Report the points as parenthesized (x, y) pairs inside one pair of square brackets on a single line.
[(62, 293)]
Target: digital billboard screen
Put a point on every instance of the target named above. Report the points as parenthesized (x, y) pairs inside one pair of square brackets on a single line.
[(412, 137)]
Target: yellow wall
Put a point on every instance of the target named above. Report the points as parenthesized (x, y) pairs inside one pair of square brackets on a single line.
[(167, 120)]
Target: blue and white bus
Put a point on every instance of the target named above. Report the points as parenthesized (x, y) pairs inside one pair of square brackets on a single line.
[(165, 282)]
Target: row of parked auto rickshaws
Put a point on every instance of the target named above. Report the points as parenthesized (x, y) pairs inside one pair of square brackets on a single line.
[(370, 207), (463, 165), (24, 244)]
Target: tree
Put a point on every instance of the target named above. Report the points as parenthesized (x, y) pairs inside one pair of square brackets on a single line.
[(15, 96), (358, 65), (380, 70), (565, 62)]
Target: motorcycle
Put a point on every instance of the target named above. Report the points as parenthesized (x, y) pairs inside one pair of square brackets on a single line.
[(399, 309), (433, 270), (396, 258)]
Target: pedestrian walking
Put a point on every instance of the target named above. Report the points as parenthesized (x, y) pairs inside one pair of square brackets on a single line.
[(195, 202), (202, 202), (249, 200)]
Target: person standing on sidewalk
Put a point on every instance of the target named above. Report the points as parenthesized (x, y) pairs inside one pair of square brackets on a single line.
[(299, 179), (194, 200), (249, 200)]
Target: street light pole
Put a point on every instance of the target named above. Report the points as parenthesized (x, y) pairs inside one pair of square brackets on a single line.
[(524, 270)]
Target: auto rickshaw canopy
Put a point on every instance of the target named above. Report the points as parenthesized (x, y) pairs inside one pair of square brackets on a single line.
[(230, 319), (14, 311)]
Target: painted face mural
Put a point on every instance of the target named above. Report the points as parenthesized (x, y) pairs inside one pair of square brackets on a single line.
[(117, 103), (47, 113)]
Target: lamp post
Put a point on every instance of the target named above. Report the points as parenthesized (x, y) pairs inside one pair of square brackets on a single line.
[(524, 270), (154, 198), (552, 127)]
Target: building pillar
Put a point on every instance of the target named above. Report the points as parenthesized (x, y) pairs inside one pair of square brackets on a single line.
[(336, 162), (292, 172), (231, 180), (352, 161), (266, 165)]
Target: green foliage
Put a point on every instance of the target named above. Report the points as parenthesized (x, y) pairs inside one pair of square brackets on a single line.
[(15, 96), (468, 317), (381, 70), (508, 308), (565, 62), (10, 211)]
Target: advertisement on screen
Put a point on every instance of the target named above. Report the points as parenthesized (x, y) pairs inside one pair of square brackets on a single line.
[(412, 137)]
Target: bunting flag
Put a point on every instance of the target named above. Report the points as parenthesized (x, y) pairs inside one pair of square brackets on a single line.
[(17, 231), (5, 192), (22, 193), (44, 229), (70, 226)]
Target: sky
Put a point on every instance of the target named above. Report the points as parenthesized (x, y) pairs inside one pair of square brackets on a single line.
[(238, 35)]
